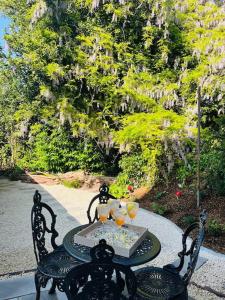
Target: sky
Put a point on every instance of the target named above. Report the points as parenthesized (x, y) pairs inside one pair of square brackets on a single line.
[(4, 23)]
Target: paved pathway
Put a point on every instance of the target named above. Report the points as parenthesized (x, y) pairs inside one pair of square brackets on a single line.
[(16, 249)]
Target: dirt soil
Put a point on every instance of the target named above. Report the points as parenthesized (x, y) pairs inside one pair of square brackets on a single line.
[(87, 181), (185, 205)]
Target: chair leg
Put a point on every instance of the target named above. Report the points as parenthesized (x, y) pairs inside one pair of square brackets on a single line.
[(53, 287), (183, 296), (38, 287)]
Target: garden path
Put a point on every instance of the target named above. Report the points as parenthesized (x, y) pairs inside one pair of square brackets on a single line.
[(70, 205)]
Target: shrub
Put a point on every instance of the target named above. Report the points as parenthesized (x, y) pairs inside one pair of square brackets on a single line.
[(15, 173), (160, 195), (159, 208), (75, 183), (213, 156), (184, 172), (118, 188), (215, 228), (133, 173), (60, 152), (5, 155), (188, 220)]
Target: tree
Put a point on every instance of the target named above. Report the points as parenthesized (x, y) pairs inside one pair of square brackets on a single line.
[(97, 68)]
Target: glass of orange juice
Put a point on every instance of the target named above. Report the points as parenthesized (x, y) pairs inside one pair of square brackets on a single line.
[(132, 209), (119, 216), (113, 205), (103, 212)]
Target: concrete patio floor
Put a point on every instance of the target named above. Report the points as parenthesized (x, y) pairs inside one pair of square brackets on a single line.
[(70, 205), (23, 288)]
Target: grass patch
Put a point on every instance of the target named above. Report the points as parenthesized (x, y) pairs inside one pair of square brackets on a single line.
[(72, 184)]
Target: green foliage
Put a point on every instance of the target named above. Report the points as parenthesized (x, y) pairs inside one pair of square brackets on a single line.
[(133, 172), (188, 220), (160, 195), (88, 158), (59, 152), (213, 157), (85, 81), (159, 208), (148, 129), (75, 183), (119, 189), (184, 172), (215, 228), (15, 173), (147, 132), (134, 169)]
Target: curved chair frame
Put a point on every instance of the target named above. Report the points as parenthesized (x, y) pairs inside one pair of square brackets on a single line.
[(100, 270), (195, 248), (43, 257), (102, 198), (192, 252), (39, 227)]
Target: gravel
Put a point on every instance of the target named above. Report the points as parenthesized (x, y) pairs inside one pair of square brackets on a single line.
[(70, 205)]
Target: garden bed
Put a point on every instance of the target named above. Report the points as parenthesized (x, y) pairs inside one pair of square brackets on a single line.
[(182, 211), (76, 179)]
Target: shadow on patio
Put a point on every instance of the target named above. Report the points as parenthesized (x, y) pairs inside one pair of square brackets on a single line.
[(16, 247)]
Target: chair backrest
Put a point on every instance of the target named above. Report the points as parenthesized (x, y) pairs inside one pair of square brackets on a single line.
[(194, 249), (101, 198), (39, 226), (95, 280)]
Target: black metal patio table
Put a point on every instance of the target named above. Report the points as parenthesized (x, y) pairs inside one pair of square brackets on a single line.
[(148, 249)]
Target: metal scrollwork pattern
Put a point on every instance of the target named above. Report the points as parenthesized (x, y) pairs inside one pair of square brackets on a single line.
[(102, 252), (102, 198), (166, 283), (156, 283), (55, 264), (146, 251), (60, 284), (104, 189), (39, 227), (144, 248), (100, 274), (194, 250), (41, 279), (38, 230)]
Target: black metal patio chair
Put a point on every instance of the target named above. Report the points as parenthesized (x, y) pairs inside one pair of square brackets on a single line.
[(101, 198), (50, 265), (101, 279), (166, 283)]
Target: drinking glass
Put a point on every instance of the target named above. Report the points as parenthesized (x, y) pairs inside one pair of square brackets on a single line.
[(132, 209), (119, 217), (113, 205), (103, 212)]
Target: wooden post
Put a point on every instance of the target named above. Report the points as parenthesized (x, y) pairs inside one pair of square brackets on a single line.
[(198, 144)]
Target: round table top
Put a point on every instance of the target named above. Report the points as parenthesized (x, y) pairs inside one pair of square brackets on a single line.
[(145, 252)]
